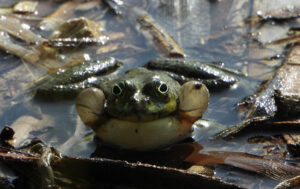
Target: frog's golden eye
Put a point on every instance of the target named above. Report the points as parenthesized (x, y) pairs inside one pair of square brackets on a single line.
[(118, 88), (163, 88)]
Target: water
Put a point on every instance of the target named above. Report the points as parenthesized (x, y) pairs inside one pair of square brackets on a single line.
[(208, 31)]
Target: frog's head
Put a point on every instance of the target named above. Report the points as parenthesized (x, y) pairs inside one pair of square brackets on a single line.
[(142, 98)]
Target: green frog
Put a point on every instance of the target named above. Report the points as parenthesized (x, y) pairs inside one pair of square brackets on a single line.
[(147, 107)]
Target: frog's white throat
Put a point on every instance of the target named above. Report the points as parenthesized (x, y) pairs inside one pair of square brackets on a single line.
[(142, 136)]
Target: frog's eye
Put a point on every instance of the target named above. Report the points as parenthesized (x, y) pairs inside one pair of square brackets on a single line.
[(162, 88), (118, 88)]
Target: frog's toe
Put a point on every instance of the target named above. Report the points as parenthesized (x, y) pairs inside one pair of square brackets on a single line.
[(90, 107), (193, 100)]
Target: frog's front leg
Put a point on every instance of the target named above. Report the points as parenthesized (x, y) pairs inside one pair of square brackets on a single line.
[(67, 83), (213, 76)]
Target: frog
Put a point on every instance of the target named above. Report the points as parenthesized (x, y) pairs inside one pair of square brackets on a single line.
[(146, 107)]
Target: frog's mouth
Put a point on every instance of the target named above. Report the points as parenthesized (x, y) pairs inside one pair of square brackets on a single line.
[(143, 135), (141, 117)]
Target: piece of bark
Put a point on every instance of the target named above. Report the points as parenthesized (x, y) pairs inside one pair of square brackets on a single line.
[(280, 14), (99, 171), (287, 95), (159, 38), (275, 169), (19, 30), (201, 170), (293, 143), (25, 7), (58, 16), (76, 32), (293, 183), (78, 28), (95, 172)]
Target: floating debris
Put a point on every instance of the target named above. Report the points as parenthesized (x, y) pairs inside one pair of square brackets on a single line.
[(293, 144), (41, 166), (29, 55), (160, 39), (201, 170), (278, 99), (280, 14), (18, 29), (75, 33), (274, 169), (25, 7), (292, 183), (78, 28), (116, 5), (57, 17)]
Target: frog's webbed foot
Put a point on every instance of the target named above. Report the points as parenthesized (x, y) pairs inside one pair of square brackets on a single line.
[(67, 83), (213, 76)]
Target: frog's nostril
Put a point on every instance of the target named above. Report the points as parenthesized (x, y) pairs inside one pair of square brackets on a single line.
[(147, 100), (197, 85), (140, 105)]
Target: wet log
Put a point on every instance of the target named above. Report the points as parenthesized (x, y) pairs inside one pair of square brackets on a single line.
[(105, 172), (278, 101), (285, 87), (24, 165), (287, 95), (73, 172)]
